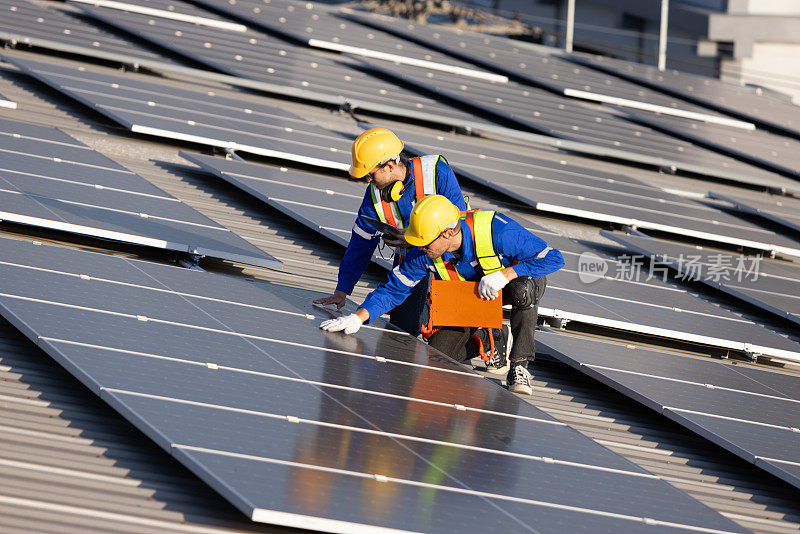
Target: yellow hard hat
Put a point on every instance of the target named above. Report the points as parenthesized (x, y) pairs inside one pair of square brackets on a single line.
[(372, 148), (429, 218)]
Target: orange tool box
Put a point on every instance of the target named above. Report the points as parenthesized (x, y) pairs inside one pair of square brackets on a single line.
[(456, 303)]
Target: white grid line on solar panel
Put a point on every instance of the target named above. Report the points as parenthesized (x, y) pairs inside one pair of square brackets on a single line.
[(686, 304), (318, 26), (24, 19), (740, 100), (182, 125), (380, 359), (568, 120), (605, 194), (199, 20), (785, 211), (759, 146), (261, 57), (511, 57), (299, 521)]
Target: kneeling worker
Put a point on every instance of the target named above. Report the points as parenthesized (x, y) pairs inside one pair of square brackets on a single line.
[(482, 245)]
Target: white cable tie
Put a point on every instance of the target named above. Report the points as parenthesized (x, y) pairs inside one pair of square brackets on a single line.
[(649, 521), (17, 136), (309, 316), (460, 407), (795, 429), (630, 346), (292, 419), (98, 186), (328, 191), (212, 365), (142, 318), (380, 478), (144, 215), (37, 243), (710, 386), (57, 160), (548, 460), (380, 359), (85, 277)]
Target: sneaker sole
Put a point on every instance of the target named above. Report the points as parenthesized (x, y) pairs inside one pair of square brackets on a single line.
[(498, 370), (522, 390)]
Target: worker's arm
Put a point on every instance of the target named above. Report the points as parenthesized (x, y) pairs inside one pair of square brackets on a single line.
[(398, 286), (447, 184), (363, 240)]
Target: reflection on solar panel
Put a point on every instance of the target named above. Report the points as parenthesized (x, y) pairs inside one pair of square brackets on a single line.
[(24, 22), (771, 285), (326, 205), (751, 412), (645, 305), (746, 102), (568, 189), (258, 56), (779, 153), (158, 8), (299, 427), (782, 210), (540, 65), (157, 109), (317, 25), (50, 180)]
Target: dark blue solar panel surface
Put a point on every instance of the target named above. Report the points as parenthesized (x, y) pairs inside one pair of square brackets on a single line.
[(236, 380), (51, 180), (650, 306), (744, 409)]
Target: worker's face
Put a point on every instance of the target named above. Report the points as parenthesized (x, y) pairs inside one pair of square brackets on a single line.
[(440, 245), (385, 175)]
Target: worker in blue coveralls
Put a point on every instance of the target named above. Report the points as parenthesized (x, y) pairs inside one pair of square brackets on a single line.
[(396, 184), (480, 246)]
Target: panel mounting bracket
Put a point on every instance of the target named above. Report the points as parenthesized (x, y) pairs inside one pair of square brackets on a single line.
[(190, 260)]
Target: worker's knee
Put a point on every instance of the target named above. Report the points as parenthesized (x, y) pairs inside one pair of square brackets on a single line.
[(525, 291)]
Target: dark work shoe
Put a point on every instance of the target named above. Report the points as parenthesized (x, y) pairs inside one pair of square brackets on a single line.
[(519, 380), (498, 361)]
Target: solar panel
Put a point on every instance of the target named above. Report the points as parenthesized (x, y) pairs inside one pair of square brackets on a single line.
[(776, 152), (27, 23), (323, 204), (542, 112), (542, 66), (770, 285), (639, 304), (50, 180), (741, 101), (568, 189), (299, 427), (782, 210), (318, 25), (255, 55), (153, 108), (732, 405)]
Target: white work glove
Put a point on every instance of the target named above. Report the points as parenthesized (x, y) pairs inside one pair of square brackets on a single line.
[(349, 323), (491, 284)]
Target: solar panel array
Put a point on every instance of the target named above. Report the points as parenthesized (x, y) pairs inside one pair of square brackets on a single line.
[(374, 432), (51, 180), (740, 101), (645, 305), (748, 411), (27, 23), (777, 152), (542, 66), (779, 209), (771, 285), (258, 56), (270, 415), (152, 108)]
